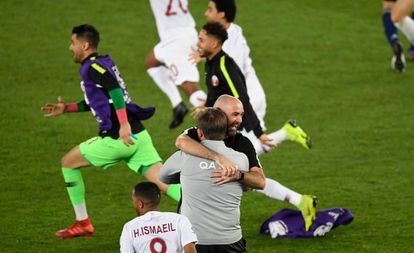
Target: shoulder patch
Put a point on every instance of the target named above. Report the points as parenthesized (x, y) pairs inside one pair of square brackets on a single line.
[(98, 68)]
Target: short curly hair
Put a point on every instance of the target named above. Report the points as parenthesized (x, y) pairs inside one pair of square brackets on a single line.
[(216, 30)]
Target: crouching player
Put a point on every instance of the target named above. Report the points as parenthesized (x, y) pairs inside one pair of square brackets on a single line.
[(155, 231)]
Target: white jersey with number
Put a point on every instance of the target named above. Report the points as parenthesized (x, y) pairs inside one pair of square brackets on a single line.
[(176, 28), (236, 47), (157, 232), (171, 16)]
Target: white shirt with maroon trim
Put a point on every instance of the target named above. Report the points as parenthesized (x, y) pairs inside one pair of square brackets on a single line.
[(172, 17), (157, 232)]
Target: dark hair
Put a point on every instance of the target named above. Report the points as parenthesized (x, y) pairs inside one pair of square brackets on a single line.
[(228, 7), (87, 32), (149, 192), (217, 30), (213, 123)]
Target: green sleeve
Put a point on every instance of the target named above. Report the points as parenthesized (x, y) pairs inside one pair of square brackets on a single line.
[(117, 98), (82, 106)]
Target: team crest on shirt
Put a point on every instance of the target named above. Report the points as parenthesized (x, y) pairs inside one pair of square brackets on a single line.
[(214, 81)]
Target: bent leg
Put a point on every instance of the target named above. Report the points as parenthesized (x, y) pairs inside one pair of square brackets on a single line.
[(275, 190), (74, 159), (71, 164), (195, 94), (389, 27), (402, 9), (151, 61), (161, 76), (406, 26), (152, 174)]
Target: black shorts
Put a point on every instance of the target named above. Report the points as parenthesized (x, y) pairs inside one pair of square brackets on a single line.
[(390, 1), (237, 247)]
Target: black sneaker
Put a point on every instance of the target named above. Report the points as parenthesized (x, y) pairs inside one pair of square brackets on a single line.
[(398, 60), (178, 115)]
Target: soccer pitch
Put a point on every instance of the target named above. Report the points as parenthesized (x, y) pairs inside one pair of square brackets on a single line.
[(324, 63)]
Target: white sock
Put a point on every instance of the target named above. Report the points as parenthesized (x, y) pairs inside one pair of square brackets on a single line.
[(80, 211), (161, 77), (406, 26), (277, 191), (279, 136), (198, 98)]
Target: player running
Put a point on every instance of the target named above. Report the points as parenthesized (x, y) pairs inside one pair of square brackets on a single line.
[(224, 12), (406, 25), (155, 231), (168, 63), (122, 137)]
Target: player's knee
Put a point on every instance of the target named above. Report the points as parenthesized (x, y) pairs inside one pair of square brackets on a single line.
[(147, 63), (151, 61), (66, 162), (190, 87)]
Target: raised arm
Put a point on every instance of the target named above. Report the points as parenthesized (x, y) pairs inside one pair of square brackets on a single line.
[(52, 110)]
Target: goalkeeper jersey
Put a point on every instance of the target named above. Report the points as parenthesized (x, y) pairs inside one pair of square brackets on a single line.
[(99, 76)]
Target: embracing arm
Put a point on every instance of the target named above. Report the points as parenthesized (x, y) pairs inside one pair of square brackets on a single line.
[(170, 171), (254, 179), (192, 147)]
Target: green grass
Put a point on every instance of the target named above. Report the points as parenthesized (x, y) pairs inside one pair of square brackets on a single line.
[(324, 63)]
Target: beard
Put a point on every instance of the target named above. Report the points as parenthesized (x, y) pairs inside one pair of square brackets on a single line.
[(231, 132), (204, 53)]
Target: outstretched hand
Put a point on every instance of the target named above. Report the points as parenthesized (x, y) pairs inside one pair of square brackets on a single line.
[(266, 140), (57, 109), (195, 56)]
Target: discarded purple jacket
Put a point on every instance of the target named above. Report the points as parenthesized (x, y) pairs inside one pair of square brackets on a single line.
[(290, 223)]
